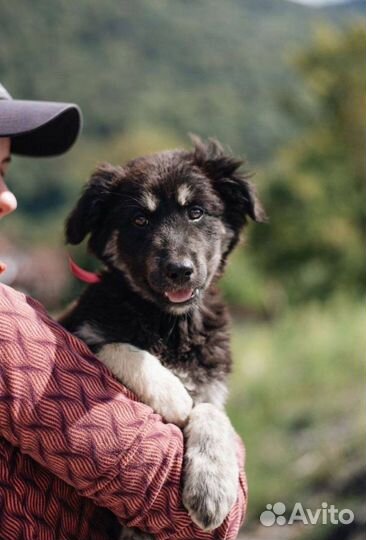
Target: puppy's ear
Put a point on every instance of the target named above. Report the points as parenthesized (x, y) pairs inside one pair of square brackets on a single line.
[(90, 208), (239, 195)]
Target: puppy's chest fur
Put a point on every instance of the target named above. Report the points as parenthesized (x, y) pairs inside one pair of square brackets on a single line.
[(194, 347)]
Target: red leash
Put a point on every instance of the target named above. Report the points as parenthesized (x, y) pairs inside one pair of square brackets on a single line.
[(83, 275)]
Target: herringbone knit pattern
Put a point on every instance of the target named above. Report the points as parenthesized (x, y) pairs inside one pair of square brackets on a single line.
[(76, 437)]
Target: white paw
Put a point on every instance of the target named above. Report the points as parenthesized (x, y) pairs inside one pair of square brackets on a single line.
[(171, 400), (211, 470), (154, 384)]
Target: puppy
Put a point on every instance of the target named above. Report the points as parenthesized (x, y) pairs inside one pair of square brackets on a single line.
[(164, 225)]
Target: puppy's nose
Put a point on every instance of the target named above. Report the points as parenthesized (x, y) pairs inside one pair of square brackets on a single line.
[(179, 271)]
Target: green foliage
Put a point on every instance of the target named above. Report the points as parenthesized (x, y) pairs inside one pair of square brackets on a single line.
[(145, 74), (295, 400), (314, 190), (210, 67)]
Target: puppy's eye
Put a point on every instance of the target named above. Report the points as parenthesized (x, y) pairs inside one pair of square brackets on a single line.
[(195, 213), (140, 220)]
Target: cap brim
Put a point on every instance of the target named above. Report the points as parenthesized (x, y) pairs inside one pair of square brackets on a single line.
[(39, 128)]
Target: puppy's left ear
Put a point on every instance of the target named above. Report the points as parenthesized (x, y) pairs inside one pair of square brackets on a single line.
[(90, 208), (239, 195)]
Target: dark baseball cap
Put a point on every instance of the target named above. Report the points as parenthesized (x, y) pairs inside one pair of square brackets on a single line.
[(38, 128)]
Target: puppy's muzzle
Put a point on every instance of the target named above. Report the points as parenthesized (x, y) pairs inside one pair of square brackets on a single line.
[(179, 272)]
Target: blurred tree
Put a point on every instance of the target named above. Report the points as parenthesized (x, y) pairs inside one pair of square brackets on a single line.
[(212, 67), (147, 73), (314, 194)]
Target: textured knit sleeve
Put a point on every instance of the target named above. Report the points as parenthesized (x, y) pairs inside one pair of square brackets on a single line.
[(62, 407)]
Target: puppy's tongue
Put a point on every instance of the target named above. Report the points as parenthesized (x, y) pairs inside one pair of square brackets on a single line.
[(177, 297)]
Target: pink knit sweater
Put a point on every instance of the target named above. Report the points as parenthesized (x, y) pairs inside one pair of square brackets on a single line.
[(77, 449)]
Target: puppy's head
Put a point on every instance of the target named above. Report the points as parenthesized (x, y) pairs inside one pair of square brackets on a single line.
[(167, 221)]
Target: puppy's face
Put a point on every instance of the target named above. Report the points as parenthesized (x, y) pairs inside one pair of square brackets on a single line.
[(167, 221)]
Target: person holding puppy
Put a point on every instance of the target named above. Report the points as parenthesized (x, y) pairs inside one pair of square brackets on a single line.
[(77, 451)]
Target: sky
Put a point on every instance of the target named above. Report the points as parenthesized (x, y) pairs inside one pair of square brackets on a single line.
[(319, 2)]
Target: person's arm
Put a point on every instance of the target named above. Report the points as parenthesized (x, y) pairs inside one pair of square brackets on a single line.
[(62, 407)]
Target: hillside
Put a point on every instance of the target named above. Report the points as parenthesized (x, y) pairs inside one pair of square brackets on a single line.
[(145, 74), (210, 67)]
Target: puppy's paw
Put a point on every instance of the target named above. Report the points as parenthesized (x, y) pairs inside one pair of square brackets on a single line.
[(211, 470), (171, 400), (153, 383)]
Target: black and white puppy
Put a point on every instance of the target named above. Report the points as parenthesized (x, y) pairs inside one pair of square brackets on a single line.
[(164, 225)]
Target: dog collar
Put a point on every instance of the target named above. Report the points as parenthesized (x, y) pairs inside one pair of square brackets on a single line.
[(83, 275)]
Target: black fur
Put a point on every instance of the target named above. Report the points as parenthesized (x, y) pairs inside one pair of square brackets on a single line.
[(131, 304)]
